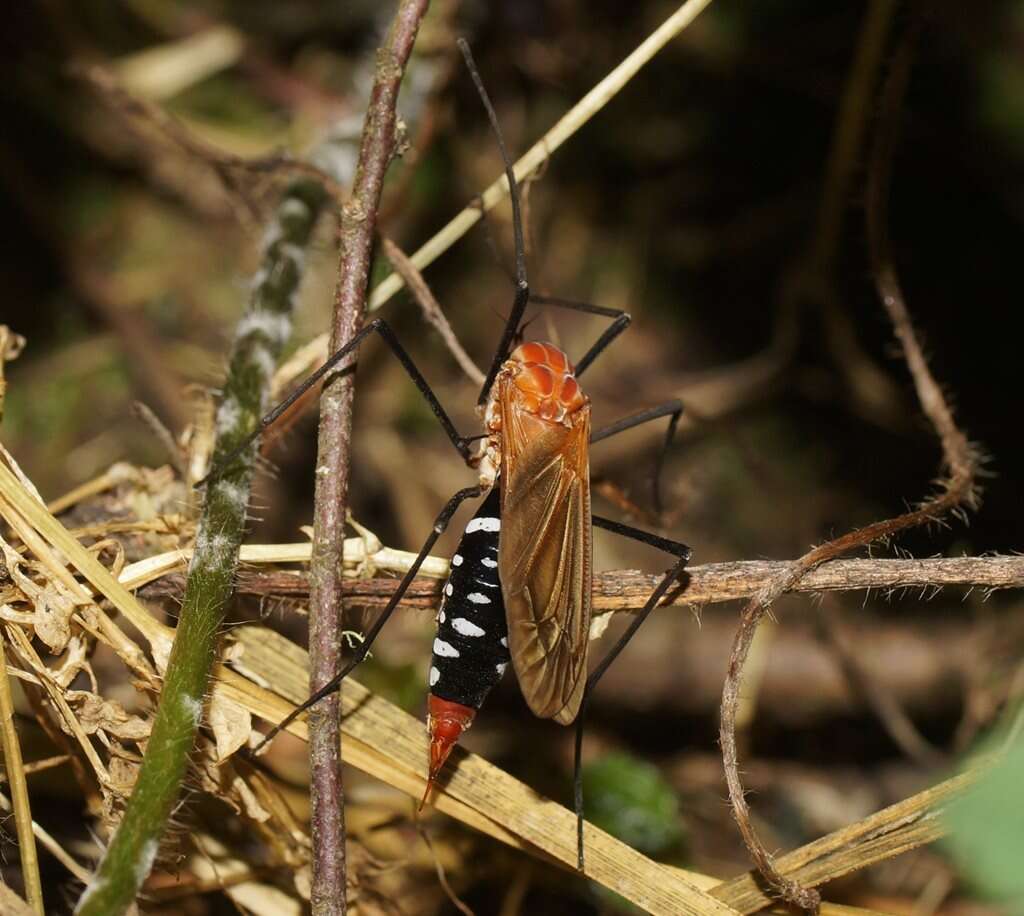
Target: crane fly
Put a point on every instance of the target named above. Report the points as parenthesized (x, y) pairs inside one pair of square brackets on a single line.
[(519, 591), (523, 597)]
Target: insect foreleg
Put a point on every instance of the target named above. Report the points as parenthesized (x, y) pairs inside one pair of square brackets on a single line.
[(440, 524), (383, 330), (621, 322)]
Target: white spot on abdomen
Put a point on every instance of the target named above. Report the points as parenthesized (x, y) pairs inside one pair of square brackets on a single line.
[(504, 641), (448, 589), (445, 649), (489, 563), (483, 524), (435, 675), (466, 627), (457, 560), (478, 598), (501, 668)]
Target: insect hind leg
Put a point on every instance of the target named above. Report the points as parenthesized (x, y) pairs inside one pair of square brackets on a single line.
[(673, 410), (361, 651), (682, 554)]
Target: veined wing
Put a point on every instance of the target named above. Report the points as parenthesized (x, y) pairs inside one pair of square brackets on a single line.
[(544, 557)]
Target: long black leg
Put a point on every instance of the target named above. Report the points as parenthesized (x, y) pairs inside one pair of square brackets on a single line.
[(672, 409), (522, 296), (621, 322), (383, 330), (682, 554), (440, 524), (522, 285)]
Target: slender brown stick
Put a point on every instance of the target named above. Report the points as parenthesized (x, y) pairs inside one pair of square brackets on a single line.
[(955, 491), (713, 583), (358, 223), (430, 307)]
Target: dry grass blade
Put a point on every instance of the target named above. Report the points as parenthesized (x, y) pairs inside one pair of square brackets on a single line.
[(55, 534), (887, 833), (12, 904), (15, 770), (392, 745)]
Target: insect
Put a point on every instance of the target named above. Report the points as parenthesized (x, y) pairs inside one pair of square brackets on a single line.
[(520, 586)]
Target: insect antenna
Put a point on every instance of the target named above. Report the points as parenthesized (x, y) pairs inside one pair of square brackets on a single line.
[(522, 296)]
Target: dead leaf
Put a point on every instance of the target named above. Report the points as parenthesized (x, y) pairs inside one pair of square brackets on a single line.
[(231, 724), (96, 714), (52, 622), (12, 904)]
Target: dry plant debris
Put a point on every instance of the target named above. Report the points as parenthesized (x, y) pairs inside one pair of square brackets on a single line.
[(86, 637)]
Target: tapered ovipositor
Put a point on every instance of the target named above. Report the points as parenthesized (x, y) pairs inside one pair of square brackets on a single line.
[(446, 721)]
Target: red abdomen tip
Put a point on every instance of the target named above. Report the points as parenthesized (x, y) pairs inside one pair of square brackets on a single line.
[(446, 721)]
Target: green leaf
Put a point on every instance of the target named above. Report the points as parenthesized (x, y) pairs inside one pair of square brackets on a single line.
[(987, 828), (630, 800)]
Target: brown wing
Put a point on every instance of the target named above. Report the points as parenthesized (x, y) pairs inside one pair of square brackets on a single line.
[(544, 555)]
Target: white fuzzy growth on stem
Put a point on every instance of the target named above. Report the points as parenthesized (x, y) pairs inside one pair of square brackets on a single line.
[(276, 326)]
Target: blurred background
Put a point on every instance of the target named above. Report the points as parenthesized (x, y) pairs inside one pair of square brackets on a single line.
[(712, 200)]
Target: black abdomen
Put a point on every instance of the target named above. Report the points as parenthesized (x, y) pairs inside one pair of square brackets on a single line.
[(471, 647)]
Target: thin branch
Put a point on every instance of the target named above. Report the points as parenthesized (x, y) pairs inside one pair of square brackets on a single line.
[(431, 308), (163, 436), (627, 589), (358, 224), (261, 334), (957, 490)]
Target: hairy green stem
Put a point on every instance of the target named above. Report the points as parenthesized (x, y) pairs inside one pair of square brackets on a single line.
[(260, 336)]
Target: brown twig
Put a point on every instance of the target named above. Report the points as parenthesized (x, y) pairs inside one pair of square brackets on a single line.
[(955, 491), (358, 224), (442, 877), (430, 307), (713, 583)]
